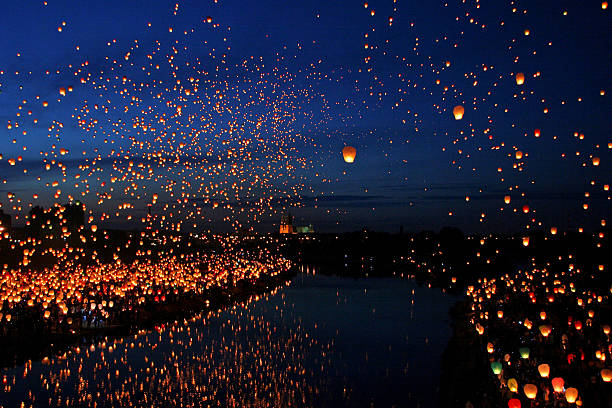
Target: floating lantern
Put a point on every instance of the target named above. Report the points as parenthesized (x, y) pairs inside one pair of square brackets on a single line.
[(512, 385), (530, 391), (524, 352), (544, 370), (349, 153), (520, 78), (557, 384), (571, 395), (496, 366), (458, 112), (514, 403), (545, 330)]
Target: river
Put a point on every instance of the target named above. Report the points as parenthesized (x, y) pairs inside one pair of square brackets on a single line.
[(320, 341)]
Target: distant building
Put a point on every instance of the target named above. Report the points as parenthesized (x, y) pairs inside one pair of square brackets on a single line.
[(287, 227), (304, 229)]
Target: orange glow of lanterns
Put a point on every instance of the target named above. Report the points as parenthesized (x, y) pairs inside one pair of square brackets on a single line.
[(530, 391), (557, 384), (520, 78), (458, 112), (545, 330), (571, 395), (544, 370), (349, 153), (606, 375)]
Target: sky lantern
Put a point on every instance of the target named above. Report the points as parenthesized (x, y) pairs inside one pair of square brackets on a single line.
[(595, 161), (544, 370), (553, 230), (62, 91), (520, 78), (458, 112), (349, 153), (525, 208), (524, 352), (571, 395), (606, 375), (496, 367), (525, 241), (518, 155), (512, 385), (514, 403), (557, 384), (530, 391), (545, 330), (507, 199), (537, 133)]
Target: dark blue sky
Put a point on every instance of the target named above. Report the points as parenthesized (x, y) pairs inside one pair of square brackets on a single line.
[(270, 92)]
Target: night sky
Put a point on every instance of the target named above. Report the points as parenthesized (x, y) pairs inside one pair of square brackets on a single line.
[(224, 114)]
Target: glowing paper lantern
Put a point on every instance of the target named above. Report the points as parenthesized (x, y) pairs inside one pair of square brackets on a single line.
[(514, 403), (458, 112), (520, 78), (512, 385), (507, 199), (544, 370), (496, 366), (606, 375), (571, 395), (545, 330), (557, 384), (349, 153), (530, 391), (524, 352)]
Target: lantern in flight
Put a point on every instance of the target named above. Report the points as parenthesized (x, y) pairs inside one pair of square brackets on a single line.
[(530, 391), (557, 384), (544, 370), (512, 385), (349, 153), (571, 395), (520, 78), (458, 112), (514, 403)]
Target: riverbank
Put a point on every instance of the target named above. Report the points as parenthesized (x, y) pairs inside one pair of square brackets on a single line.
[(465, 370), (34, 342)]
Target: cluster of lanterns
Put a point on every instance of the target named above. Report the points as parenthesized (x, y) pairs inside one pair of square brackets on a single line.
[(502, 314)]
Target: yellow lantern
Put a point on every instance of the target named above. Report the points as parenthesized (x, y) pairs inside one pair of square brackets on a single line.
[(512, 385), (520, 78)]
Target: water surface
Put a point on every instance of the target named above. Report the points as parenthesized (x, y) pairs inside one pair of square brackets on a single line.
[(320, 341)]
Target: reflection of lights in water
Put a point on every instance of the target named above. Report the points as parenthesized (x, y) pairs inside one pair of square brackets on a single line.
[(233, 358)]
